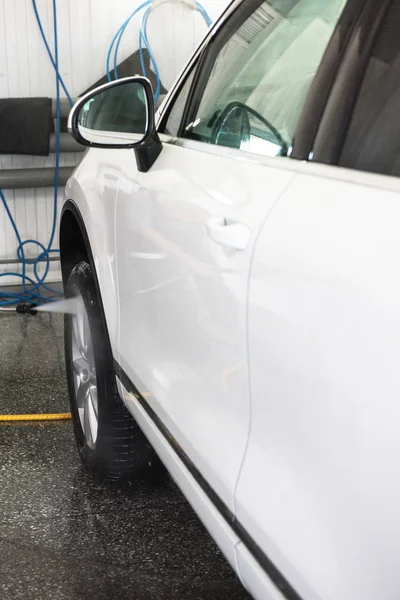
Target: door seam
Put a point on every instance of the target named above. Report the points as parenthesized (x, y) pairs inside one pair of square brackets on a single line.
[(246, 447), (117, 262)]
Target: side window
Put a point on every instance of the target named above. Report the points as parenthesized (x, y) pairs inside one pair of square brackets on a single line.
[(258, 83), (176, 113), (373, 138)]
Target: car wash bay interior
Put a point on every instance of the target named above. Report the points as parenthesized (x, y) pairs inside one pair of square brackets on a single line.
[(63, 534)]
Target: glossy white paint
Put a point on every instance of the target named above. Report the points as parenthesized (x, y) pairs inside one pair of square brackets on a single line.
[(183, 294), (93, 188), (318, 489)]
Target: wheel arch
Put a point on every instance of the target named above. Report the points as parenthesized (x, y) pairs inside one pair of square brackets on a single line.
[(75, 246), (74, 241)]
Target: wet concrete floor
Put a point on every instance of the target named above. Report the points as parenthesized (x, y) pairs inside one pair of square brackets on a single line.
[(65, 536)]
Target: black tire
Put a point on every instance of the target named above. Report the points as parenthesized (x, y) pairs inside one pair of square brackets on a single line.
[(120, 451)]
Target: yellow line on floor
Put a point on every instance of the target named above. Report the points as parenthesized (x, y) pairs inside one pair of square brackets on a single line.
[(46, 417)]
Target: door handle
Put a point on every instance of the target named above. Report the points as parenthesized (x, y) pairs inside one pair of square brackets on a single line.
[(228, 233)]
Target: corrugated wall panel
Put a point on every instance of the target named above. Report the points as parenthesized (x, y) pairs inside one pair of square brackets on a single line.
[(85, 31)]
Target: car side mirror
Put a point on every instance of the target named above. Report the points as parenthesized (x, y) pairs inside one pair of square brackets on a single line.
[(119, 114)]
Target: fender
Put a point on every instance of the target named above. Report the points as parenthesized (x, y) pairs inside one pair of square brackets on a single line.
[(103, 272), (93, 189)]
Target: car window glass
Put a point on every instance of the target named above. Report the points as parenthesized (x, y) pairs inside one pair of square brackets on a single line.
[(261, 76), (176, 113), (373, 138)]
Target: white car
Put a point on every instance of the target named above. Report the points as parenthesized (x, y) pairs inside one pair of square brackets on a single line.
[(236, 258)]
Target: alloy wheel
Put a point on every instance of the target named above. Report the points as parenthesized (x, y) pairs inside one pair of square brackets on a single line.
[(84, 370)]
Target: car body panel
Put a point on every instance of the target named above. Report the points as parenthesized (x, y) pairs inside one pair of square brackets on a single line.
[(93, 189), (324, 342), (183, 297)]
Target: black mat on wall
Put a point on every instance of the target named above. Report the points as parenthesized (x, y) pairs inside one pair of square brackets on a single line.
[(129, 67), (25, 126)]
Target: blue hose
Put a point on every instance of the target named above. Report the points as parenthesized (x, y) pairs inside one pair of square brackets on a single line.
[(8, 298), (204, 14), (143, 41), (143, 38), (54, 62), (117, 39)]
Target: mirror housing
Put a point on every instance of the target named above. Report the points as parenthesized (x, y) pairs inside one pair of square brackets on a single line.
[(118, 114)]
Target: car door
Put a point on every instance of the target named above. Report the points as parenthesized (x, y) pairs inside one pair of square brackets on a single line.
[(318, 492), (187, 228)]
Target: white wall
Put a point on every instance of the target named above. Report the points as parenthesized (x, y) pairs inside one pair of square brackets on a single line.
[(85, 29)]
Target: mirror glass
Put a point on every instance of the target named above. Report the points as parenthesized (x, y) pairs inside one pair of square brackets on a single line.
[(116, 115), (241, 127)]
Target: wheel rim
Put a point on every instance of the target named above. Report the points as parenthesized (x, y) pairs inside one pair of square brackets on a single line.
[(84, 373)]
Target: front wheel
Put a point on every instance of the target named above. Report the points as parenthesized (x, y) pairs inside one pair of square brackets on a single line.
[(110, 442)]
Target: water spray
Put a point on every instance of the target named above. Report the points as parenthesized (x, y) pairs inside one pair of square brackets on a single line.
[(70, 306)]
